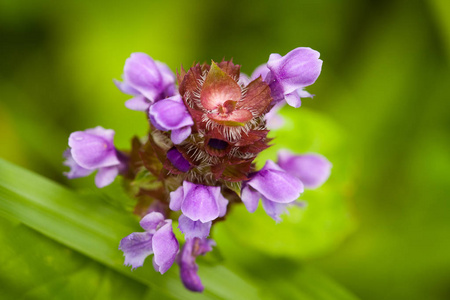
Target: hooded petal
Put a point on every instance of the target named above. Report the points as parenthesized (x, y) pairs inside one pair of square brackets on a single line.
[(170, 114), (297, 69), (142, 73), (312, 169), (275, 184), (200, 202), (193, 229), (93, 148), (165, 247), (136, 247)]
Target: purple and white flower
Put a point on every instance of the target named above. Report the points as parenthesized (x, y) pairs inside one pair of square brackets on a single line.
[(172, 115), (312, 169), (93, 149), (147, 80), (275, 187), (188, 268), (158, 239)]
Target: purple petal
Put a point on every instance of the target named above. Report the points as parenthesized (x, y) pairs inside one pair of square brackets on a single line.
[(193, 229), (106, 175), (151, 221), (168, 78), (179, 135), (170, 114), (188, 268), (125, 88), (76, 170), (293, 99), (136, 247), (176, 198), (274, 209), (297, 69), (261, 70), (142, 73), (223, 202), (93, 148), (165, 247), (200, 202), (275, 184), (139, 103), (177, 160), (250, 197), (312, 169)]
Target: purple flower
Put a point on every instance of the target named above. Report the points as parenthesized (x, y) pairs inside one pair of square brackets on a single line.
[(312, 169), (172, 114), (188, 268), (177, 160), (291, 73), (199, 202), (93, 149), (193, 229), (275, 187), (147, 80), (157, 239)]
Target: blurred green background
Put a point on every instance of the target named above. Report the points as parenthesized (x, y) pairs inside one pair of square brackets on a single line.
[(379, 229)]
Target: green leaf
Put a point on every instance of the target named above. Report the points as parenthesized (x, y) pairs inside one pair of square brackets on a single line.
[(58, 244)]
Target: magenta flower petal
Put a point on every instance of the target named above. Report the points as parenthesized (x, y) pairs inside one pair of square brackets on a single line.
[(106, 175), (293, 99), (297, 69), (170, 114), (188, 268), (151, 221), (193, 229), (179, 135), (165, 246), (136, 247), (275, 184), (312, 169), (250, 197), (274, 209), (139, 103), (142, 73), (176, 199), (126, 88), (94, 148), (177, 160), (76, 170), (200, 202)]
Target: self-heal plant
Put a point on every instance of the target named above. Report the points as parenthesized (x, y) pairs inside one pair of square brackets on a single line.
[(198, 158)]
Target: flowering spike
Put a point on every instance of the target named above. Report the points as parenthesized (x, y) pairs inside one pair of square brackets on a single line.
[(198, 157)]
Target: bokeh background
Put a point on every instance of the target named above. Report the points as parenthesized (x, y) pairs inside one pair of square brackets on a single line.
[(378, 229)]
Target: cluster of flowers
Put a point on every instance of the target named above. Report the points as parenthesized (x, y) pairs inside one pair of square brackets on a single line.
[(198, 158)]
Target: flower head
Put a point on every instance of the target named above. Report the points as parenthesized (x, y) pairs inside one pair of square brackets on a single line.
[(198, 157)]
